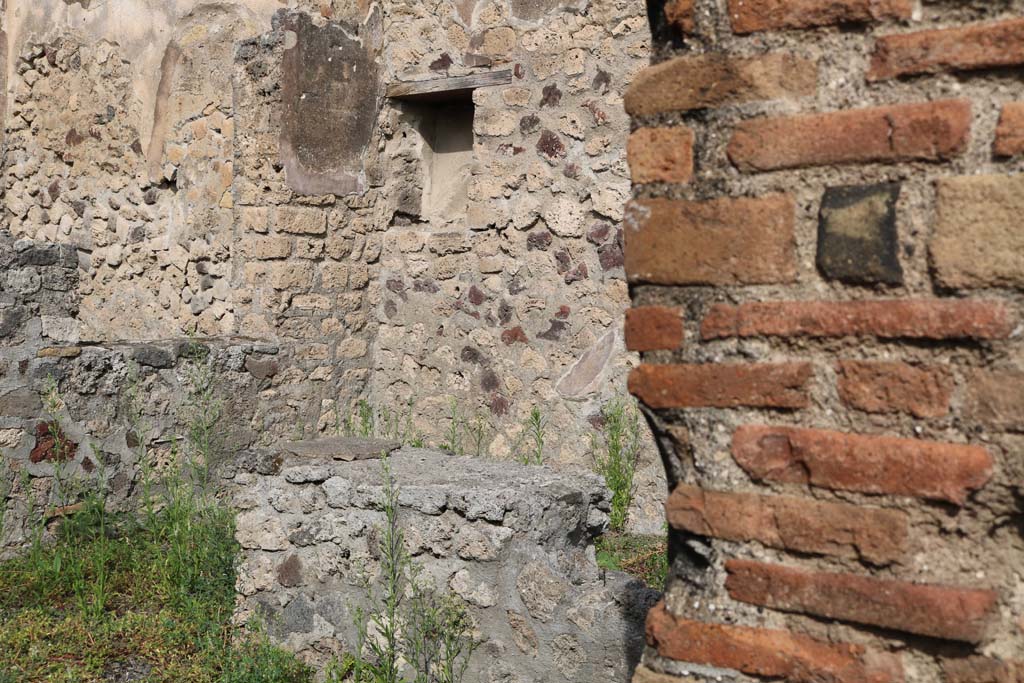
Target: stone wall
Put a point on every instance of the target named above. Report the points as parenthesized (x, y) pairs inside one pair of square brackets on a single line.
[(235, 170), (824, 247), (514, 541)]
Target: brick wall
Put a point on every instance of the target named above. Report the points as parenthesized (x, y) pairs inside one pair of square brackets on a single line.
[(826, 255)]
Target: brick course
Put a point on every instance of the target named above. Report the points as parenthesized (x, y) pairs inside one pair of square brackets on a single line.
[(700, 82), (890, 387), (650, 328), (661, 155), (768, 653), (1010, 133), (749, 16), (722, 386), (933, 131), (892, 319), (977, 46), (866, 464), (720, 242), (938, 611), (879, 536)]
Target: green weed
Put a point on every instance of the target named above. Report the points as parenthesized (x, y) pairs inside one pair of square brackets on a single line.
[(529, 446), (410, 629), (616, 452)]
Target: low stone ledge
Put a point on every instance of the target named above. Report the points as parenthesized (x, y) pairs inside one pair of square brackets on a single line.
[(515, 542)]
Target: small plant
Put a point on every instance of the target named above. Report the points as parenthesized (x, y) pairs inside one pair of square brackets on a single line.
[(202, 412), (456, 425), (409, 625), (529, 446), (616, 452), (478, 432)]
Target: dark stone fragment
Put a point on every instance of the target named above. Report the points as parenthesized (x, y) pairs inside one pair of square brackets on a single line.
[(563, 261), (10, 320), (857, 240), (563, 312), (550, 96), (516, 285), (576, 274), (599, 233), (42, 255), (538, 239), (471, 355), (550, 146), (261, 368), (289, 572), (490, 381), (396, 286), (52, 444), (505, 312), (425, 286), (154, 357), (602, 81), (203, 267), (73, 138), (554, 333), (297, 617), (610, 256), (519, 71), (529, 124), (390, 308), (499, 405), (571, 171), (301, 537), (476, 296), (514, 335), (78, 206), (21, 402), (441, 63), (150, 196)]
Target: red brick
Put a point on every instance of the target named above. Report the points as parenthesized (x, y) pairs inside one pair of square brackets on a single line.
[(715, 80), (888, 387), (979, 46), (651, 328), (866, 464), (740, 241), (932, 131), (928, 610), (661, 155), (995, 398), (767, 653), (749, 16), (790, 523), (1010, 133), (722, 386), (679, 13), (982, 670), (888, 319)]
